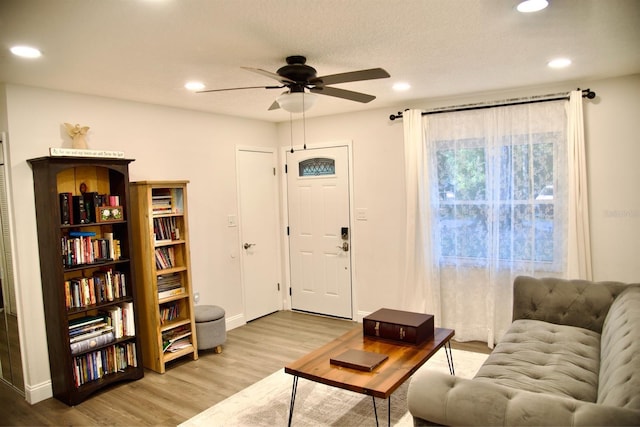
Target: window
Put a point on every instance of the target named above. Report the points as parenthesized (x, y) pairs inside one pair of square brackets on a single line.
[(495, 198), (317, 166)]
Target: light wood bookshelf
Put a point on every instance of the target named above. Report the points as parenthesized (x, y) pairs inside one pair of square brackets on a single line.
[(76, 374), (161, 241)]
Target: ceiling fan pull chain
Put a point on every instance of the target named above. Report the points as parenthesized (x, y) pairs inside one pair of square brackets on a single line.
[(304, 124), (291, 130)]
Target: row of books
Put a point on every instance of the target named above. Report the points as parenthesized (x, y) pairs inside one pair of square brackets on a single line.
[(165, 258), (114, 322), (169, 285), (82, 209), (102, 287), (176, 339), (83, 247), (121, 317), (89, 332), (94, 365), (169, 312), (161, 202), (165, 229)]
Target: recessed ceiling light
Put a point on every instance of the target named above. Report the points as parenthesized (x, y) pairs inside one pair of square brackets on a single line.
[(559, 63), (529, 6), (26, 51), (194, 86), (400, 86)]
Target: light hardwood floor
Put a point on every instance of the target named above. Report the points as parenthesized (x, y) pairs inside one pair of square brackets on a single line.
[(252, 352)]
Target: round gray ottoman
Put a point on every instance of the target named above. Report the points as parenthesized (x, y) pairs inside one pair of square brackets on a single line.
[(211, 331)]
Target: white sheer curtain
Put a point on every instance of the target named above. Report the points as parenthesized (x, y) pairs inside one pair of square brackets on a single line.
[(491, 205), (417, 294), (579, 238)]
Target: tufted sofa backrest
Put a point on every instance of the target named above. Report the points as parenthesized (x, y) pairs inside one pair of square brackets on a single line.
[(580, 303), (619, 378)]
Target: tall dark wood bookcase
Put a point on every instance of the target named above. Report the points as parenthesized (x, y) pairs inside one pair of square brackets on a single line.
[(76, 375)]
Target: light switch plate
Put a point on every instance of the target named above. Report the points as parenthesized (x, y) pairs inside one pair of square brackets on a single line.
[(361, 214), (232, 220)]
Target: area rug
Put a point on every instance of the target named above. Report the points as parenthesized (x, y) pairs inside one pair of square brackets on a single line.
[(266, 403)]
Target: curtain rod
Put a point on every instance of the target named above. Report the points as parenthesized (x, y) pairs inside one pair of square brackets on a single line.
[(586, 93)]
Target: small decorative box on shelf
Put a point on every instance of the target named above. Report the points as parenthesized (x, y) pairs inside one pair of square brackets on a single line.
[(397, 325), (109, 213)]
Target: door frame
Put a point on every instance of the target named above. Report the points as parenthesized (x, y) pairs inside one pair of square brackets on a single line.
[(286, 254), (274, 152)]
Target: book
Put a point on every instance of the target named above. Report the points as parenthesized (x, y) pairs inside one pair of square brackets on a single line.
[(359, 359), (79, 210), (92, 334), (177, 336), (114, 317), (81, 233), (89, 343), (128, 321), (112, 249), (170, 292), (83, 321), (398, 325), (77, 331), (178, 345), (92, 200), (66, 208)]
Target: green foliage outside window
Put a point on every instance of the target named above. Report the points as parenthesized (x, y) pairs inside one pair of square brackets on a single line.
[(497, 197)]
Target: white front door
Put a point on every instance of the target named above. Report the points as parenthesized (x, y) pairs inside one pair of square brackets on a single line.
[(319, 230), (258, 202)]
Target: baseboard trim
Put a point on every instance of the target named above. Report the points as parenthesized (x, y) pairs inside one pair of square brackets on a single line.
[(235, 321), (361, 315), (39, 392)]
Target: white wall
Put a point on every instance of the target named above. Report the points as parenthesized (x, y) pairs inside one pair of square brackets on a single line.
[(178, 144), (613, 145), (612, 132), (167, 143)]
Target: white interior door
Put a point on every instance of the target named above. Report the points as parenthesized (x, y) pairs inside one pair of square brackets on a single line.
[(319, 230), (258, 202)]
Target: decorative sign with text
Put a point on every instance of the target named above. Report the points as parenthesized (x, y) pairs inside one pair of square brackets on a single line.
[(75, 152)]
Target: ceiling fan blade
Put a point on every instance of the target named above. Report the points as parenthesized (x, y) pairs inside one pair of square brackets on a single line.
[(341, 93), (274, 106), (269, 74), (240, 88), (353, 76)]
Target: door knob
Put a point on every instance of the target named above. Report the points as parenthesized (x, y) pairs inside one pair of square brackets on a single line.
[(248, 245), (344, 247)]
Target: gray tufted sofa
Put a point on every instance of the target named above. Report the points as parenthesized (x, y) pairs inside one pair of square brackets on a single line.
[(570, 357)]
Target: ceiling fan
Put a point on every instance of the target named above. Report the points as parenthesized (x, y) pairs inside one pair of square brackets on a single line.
[(298, 76)]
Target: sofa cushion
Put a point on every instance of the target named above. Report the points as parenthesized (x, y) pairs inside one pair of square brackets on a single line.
[(619, 370), (547, 358), (578, 303)]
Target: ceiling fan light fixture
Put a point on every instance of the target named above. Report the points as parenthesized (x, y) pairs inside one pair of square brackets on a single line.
[(296, 102)]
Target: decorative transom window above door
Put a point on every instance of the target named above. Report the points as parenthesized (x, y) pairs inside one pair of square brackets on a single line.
[(317, 166)]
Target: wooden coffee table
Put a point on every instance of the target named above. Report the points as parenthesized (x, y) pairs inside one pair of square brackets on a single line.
[(382, 381)]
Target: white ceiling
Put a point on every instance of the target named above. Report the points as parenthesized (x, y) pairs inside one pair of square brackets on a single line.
[(146, 50)]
